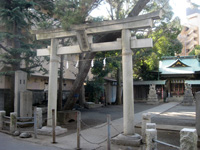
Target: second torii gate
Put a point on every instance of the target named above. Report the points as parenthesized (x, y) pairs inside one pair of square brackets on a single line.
[(126, 43)]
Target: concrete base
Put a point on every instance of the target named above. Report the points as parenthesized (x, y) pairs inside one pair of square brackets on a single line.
[(187, 103), (127, 140), (48, 130), (152, 102)]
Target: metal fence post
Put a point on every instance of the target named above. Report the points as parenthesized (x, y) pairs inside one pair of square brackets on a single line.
[(108, 134), (53, 126), (35, 122), (78, 129)]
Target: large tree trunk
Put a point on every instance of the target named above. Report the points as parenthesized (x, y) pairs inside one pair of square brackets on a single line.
[(119, 89), (71, 100), (60, 89)]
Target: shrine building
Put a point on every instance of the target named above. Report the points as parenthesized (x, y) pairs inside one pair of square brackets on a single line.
[(177, 71), (174, 73)]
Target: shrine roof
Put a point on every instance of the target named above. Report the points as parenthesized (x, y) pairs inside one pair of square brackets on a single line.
[(156, 82), (179, 65)]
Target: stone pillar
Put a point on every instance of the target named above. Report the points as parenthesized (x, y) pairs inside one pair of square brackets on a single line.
[(128, 101), (2, 114), (188, 139), (13, 122), (53, 81), (26, 100), (146, 118), (39, 117), (20, 85), (197, 96), (151, 134)]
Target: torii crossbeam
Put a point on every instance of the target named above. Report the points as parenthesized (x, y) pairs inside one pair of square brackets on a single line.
[(126, 43)]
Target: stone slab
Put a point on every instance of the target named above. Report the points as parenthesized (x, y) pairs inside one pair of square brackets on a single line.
[(127, 140), (48, 130), (92, 105)]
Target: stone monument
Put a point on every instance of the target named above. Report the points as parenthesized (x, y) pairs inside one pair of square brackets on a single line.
[(188, 98), (152, 96)]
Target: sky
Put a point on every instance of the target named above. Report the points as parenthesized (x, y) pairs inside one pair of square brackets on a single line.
[(178, 6)]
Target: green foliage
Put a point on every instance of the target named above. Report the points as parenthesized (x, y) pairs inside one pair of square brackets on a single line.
[(164, 36), (74, 12), (196, 51), (94, 89), (16, 42)]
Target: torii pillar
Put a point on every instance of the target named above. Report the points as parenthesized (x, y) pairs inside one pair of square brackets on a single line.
[(53, 79), (127, 68), (129, 137)]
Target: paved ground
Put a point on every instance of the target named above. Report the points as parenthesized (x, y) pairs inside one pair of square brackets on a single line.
[(185, 116), (96, 116), (163, 114), (9, 143)]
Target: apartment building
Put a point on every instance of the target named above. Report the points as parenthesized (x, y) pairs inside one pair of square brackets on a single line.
[(189, 36)]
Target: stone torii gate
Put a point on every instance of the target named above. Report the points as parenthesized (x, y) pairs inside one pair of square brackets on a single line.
[(126, 43)]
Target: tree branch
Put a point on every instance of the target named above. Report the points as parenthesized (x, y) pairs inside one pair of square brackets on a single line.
[(138, 8), (4, 48)]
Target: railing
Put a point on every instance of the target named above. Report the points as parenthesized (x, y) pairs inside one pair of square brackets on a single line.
[(15, 122), (34, 121), (166, 144)]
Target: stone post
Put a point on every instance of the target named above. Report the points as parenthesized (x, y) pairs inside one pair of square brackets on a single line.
[(150, 135), (2, 114), (128, 105), (146, 118), (39, 117), (197, 96), (53, 81), (188, 139), (13, 122)]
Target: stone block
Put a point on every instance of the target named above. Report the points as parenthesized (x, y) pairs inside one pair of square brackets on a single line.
[(188, 139), (25, 135), (2, 114), (65, 116), (150, 135)]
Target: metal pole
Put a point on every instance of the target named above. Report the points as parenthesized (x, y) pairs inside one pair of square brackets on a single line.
[(35, 122), (108, 134), (53, 126), (78, 129)]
